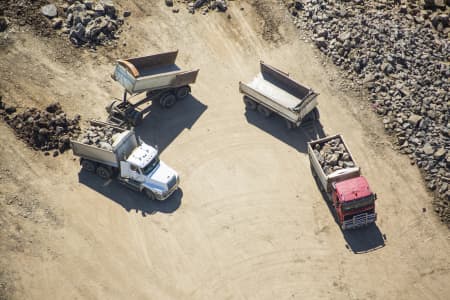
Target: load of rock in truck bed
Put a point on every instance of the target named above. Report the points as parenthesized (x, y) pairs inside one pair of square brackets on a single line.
[(99, 136), (332, 156)]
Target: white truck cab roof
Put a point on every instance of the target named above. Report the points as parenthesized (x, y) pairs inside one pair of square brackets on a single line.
[(142, 155)]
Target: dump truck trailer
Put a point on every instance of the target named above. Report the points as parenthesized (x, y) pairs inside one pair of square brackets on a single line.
[(157, 76), (273, 91), (130, 160), (339, 177)]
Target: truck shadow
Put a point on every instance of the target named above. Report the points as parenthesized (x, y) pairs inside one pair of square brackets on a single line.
[(161, 126), (129, 199), (361, 240), (297, 138)]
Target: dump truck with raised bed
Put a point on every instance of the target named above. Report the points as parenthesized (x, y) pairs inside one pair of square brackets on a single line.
[(273, 91), (111, 151), (339, 177), (158, 76)]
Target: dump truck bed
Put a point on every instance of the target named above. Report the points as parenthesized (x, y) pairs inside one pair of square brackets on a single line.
[(152, 72), (276, 90), (108, 157), (339, 175)]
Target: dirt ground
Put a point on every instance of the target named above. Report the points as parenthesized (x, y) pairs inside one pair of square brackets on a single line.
[(249, 221)]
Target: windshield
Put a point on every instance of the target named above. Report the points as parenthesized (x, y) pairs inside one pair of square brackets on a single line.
[(355, 204), (150, 166)]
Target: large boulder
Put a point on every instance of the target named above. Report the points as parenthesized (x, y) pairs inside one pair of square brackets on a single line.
[(49, 10)]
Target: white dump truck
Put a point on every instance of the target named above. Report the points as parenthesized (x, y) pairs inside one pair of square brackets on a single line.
[(124, 156), (273, 91), (157, 76)]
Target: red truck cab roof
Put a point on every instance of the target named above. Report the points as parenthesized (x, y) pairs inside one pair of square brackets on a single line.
[(352, 189)]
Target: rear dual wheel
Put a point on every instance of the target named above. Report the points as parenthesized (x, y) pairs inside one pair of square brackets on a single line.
[(264, 111), (88, 165), (249, 103), (103, 172), (182, 92), (290, 125), (168, 100)]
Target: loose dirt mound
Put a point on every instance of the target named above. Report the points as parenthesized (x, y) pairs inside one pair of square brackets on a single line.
[(43, 130), (27, 12)]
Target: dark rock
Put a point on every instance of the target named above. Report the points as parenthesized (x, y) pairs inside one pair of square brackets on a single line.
[(10, 109), (3, 23), (57, 23), (110, 9), (221, 5), (169, 3), (126, 14)]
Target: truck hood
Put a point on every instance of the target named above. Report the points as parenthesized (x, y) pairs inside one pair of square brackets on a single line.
[(162, 173)]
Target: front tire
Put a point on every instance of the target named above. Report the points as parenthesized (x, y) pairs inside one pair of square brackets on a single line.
[(149, 194)]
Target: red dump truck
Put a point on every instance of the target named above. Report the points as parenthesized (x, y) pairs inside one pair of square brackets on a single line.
[(339, 177)]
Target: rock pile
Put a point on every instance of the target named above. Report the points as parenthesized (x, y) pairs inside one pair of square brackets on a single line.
[(100, 136), (204, 6), (332, 156), (400, 54), (43, 130), (87, 22)]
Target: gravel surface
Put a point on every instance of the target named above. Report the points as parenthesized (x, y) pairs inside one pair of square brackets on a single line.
[(400, 55)]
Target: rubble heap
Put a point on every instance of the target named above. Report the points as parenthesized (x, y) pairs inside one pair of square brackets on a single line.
[(332, 156), (86, 22), (100, 136), (400, 54), (42, 130), (204, 6)]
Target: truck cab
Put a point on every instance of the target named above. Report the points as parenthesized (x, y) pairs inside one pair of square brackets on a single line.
[(148, 173), (354, 202)]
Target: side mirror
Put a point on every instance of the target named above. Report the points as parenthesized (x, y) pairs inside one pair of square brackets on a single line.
[(375, 196)]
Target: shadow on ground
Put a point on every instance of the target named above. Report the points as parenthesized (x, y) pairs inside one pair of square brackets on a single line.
[(161, 126), (361, 240), (129, 199), (364, 239), (297, 138)]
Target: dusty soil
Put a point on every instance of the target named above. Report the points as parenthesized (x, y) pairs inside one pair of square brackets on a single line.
[(249, 221)]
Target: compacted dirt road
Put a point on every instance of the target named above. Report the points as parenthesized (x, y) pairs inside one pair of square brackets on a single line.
[(249, 221)]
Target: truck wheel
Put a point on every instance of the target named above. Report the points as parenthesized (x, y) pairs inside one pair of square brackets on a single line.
[(290, 125), (149, 194), (182, 92), (103, 172), (136, 119), (109, 108), (249, 103), (168, 100), (88, 165), (264, 111)]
